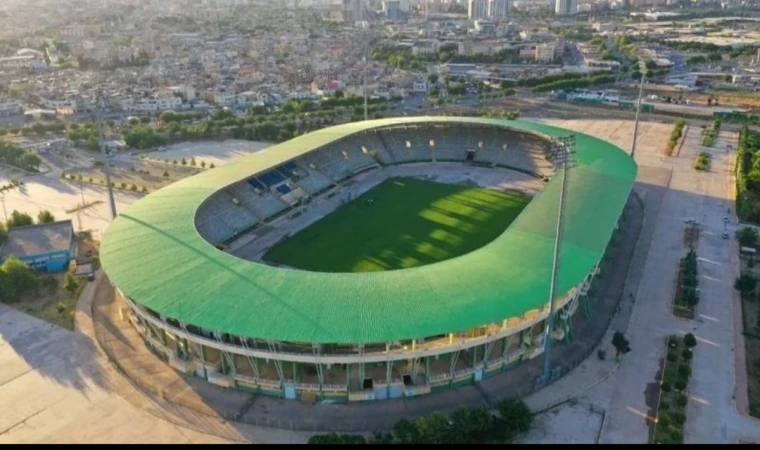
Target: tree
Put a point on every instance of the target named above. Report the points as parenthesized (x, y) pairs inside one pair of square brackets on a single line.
[(144, 120), (3, 233), (183, 162), (45, 216), (746, 283), (192, 161), (406, 432), (747, 237), (211, 166), (70, 283), (433, 78), (621, 344), (30, 162), (166, 174), (16, 278), (689, 340), (19, 219), (514, 417), (203, 164)]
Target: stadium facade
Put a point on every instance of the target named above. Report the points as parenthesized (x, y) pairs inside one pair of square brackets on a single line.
[(361, 336)]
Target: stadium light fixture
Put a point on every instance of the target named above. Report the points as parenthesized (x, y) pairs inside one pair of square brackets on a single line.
[(432, 143), (561, 155)]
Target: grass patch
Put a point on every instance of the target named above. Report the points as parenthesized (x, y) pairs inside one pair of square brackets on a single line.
[(686, 292), (675, 135), (51, 302), (703, 162), (410, 223), (674, 391), (710, 133)]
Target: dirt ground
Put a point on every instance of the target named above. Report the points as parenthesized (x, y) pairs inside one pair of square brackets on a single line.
[(151, 175)]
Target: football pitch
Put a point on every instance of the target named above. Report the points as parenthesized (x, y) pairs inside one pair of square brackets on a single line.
[(401, 223)]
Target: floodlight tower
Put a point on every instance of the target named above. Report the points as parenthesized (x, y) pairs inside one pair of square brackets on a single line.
[(643, 71), (366, 50), (106, 165), (561, 155)]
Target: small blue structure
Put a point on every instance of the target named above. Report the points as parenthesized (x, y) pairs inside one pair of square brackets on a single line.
[(47, 247)]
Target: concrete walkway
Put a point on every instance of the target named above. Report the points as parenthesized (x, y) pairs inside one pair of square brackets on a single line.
[(629, 395)]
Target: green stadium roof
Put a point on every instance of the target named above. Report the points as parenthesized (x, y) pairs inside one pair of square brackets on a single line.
[(153, 253)]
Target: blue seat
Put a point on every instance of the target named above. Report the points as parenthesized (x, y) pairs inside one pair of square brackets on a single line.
[(283, 189), (256, 184)]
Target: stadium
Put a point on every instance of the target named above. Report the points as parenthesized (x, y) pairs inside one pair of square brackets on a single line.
[(379, 259)]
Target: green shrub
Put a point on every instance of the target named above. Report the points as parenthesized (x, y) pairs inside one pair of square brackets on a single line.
[(689, 340), (686, 354), (678, 417), (684, 370), (672, 357), (664, 406), (665, 386), (676, 436), (682, 400), (663, 420), (680, 385)]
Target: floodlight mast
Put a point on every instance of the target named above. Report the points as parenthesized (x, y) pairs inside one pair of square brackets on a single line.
[(104, 156), (642, 71), (562, 153)]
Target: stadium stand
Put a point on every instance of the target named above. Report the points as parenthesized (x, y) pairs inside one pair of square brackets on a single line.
[(312, 181), (261, 197)]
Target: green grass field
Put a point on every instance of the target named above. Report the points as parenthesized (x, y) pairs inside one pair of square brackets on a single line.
[(411, 223)]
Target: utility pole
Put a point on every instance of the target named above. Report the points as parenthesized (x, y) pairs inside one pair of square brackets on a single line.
[(642, 70), (104, 157), (562, 154)]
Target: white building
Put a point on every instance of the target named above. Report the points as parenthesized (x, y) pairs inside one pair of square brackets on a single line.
[(162, 101), (565, 7), (420, 86), (62, 106), (499, 9), (426, 47), (603, 27), (485, 26), (9, 108), (223, 97), (477, 9), (17, 62), (546, 53)]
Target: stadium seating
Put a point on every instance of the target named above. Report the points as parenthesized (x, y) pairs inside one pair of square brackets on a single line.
[(263, 196), (339, 161), (214, 231), (312, 181), (266, 206)]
